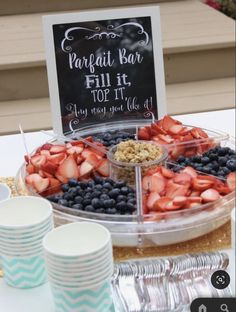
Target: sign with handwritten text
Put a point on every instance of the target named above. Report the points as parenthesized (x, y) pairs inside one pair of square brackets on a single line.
[(103, 70)]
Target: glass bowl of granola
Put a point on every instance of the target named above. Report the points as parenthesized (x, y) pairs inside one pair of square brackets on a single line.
[(129, 157)]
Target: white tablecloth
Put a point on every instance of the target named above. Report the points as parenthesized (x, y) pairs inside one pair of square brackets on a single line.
[(11, 157)]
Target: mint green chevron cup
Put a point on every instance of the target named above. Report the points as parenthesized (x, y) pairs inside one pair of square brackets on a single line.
[(95, 299), (24, 272)]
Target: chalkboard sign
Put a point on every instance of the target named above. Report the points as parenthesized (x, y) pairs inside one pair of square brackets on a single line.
[(103, 70)]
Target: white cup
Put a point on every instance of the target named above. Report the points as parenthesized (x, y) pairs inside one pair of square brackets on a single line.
[(24, 213), (82, 240), (5, 192)]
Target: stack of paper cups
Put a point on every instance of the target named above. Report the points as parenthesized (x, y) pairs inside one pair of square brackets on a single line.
[(80, 265), (24, 221)]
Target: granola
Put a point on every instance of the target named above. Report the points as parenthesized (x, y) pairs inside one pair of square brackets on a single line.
[(137, 152)]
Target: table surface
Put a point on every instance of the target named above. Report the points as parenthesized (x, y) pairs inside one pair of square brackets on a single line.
[(12, 152)]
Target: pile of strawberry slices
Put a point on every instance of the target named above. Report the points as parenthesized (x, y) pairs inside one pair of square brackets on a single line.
[(169, 131), (166, 190), (54, 164)]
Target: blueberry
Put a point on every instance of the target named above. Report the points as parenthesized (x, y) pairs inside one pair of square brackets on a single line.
[(86, 201), (231, 152), (213, 172), (78, 199), (54, 198), (72, 182), (132, 201), (107, 136), (215, 166), (98, 180), (109, 180), (100, 210), (130, 207), (121, 205), (107, 185), (104, 197), (232, 157), (98, 187), (121, 198), (223, 151), (131, 195), (222, 161), (205, 160), (96, 203), (231, 164), (106, 203), (89, 189), (65, 187), (226, 170), (78, 206), (68, 196), (119, 184), (197, 159), (181, 159), (115, 192), (96, 194), (111, 211), (220, 173), (83, 185), (89, 208), (70, 203), (213, 156), (63, 202), (72, 191), (88, 196), (124, 190), (206, 170), (91, 184)]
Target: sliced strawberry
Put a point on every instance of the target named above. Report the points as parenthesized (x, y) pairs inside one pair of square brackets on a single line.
[(171, 206), (31, 177), (162, 203), (85, 168), (174, 189), (189, 152), (231, 181), (193, 205), (158, 140), (166, 138), (175, 129), (198, 133), (41, 184), (177, 151), (143, 134), (45, 174), (154, 183), (210, 195), (49, 167), (93, 160), (86, 152), (151, 171), (57, 158), (103, 168), (75, 149), (189, 170), (168, 122), (45, 152), (167, 173), (54, 185), (180, 201), (38, 160), (145, 208), (187, 137), (152, 198), (79, 159), (195, 199), (182, 178), (61, 178), (195, 193), (30, 168), (201, 184), (77, 143), (158, 128), (184, 131), (46, 146), (68, 169), (56, 149), (221, 187)]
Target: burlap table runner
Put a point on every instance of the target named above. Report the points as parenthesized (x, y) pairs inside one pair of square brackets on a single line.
[(216, 240)]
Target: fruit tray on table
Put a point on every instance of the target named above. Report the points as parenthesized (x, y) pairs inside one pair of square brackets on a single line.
[(150, 184)]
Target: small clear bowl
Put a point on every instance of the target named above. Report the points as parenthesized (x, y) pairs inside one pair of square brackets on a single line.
[(126, 170)]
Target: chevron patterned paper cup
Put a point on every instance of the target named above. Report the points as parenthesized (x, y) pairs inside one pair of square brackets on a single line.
[(24, 221), (94, 299), (24, 272)]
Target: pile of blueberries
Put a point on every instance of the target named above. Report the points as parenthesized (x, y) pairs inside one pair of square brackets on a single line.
[(111, 138), (219, 161), (100, 195)]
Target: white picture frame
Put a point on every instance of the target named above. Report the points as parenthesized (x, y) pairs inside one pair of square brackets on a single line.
[(151, 11)]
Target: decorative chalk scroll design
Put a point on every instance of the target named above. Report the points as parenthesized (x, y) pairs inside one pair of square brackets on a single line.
[(97, 33), (73, 124), (149, 114)]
